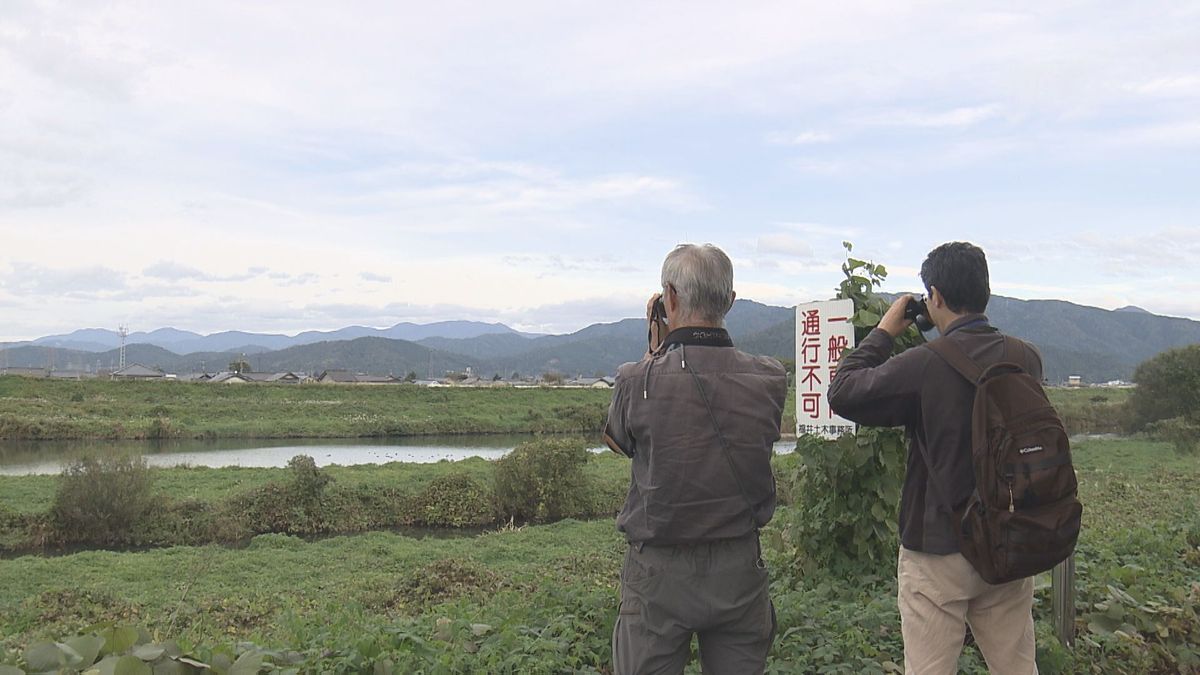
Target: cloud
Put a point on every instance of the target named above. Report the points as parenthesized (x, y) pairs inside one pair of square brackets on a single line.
[(784, 244), (173, 271), (555, 263), (802, 138), (375, 278), (81, 282), (956, 117)]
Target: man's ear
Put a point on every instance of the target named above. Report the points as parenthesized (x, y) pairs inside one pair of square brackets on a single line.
[(732, 299), (935, 297), (670, 298)]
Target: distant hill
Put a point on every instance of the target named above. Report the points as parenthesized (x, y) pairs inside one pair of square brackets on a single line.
[(187, 342), (1097, 344)]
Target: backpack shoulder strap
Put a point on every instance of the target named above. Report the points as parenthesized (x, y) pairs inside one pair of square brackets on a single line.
[(952, 353)]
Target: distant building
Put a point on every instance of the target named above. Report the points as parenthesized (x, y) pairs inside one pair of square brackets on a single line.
[(285, 378), (591, 382), (1074, 381), (347, 377), (24, 372), (337, 377), (70, 375), (228, 377), (137, 371)]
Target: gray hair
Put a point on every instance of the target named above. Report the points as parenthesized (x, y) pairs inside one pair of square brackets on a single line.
[(702, 277)]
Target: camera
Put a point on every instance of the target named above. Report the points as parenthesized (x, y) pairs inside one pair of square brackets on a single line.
[(659, 312), (918, 312)]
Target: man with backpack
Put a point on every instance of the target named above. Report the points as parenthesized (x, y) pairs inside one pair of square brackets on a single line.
[(927, 390)]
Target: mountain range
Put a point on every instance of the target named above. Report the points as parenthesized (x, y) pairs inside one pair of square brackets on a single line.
[(1097, 344)]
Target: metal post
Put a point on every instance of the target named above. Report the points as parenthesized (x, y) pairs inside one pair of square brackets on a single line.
[(1062, 592)]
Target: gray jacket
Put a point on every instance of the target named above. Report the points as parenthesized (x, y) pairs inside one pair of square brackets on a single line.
[(682, 488)]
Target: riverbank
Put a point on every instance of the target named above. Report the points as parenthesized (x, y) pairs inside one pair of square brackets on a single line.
[(542, 598), (199, 505), (36, 409)]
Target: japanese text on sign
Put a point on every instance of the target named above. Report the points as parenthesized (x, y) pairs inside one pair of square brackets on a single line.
[(823, 331)]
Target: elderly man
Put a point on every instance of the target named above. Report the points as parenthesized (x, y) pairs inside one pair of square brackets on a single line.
[(699, 419)]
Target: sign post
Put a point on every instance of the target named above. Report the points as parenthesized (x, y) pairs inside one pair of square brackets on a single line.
[(823, 331)]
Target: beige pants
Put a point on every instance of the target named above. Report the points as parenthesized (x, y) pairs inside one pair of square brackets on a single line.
[(939, 593)]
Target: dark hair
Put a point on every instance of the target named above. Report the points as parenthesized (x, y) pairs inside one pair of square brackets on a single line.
[(959, 271)]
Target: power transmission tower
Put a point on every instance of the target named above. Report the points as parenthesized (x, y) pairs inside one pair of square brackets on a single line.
[(123, 331)]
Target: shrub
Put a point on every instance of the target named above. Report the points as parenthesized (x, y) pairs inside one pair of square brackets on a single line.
[(308, 481), (101, 501), (1168, 386), (542, 480), (1182, 432), (454, 500)]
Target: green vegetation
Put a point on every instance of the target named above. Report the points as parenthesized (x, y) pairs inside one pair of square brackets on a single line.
[(542, 598), (118, 502), (1092, 410), (1166, 402), (848, 493), (48, 409), (543, 481)]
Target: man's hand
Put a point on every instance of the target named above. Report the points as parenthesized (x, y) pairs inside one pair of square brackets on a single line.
[(893, 322), (656, 328)]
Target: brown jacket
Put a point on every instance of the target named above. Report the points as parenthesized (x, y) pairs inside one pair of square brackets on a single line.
[(682, 487), (919, 391)]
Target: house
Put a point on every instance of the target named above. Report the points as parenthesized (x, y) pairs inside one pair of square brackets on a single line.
[(376, 379), (347, 377), (136, 371), (1074, 381), (70, 375), (227, 377), (592, 382), (25, 372), (196, 377), (337, 377), (286, 378)]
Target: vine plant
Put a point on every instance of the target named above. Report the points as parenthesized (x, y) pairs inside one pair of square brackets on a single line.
[(847, 491)]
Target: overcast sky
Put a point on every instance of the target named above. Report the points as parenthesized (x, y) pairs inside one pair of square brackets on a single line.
[(289, 166)]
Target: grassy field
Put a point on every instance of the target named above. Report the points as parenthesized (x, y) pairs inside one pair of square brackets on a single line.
[(92, 409), (543, 598), (48, 409)]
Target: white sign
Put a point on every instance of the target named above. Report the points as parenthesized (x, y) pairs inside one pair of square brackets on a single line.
[(823, 331)]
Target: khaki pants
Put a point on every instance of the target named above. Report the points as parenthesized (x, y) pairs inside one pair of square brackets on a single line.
[(714, 590), (939, 593)]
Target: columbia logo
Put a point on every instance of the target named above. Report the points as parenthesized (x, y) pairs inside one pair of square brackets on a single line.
[(1034, 448)]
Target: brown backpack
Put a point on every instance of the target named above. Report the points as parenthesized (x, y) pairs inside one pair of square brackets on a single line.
[(1024, 515)]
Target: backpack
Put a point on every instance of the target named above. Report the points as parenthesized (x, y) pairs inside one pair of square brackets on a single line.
[(1024, 515)]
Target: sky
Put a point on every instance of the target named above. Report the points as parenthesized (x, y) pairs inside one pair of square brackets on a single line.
[(286, 166)]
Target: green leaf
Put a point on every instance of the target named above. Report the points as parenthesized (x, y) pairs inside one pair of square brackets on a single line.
[(170, 667), (131, 665), (149, 652), (119, 640), (107, 665), (45, 656), (74, 659), (247, 664), (87, 646), (11, 670)]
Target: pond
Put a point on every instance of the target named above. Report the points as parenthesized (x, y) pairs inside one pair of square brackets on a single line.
[(19, 458)]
